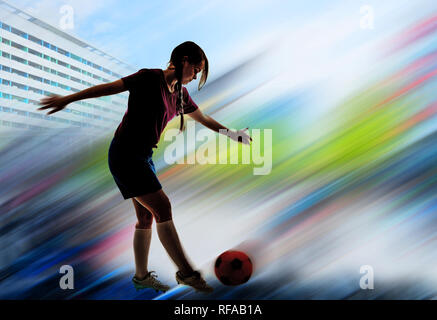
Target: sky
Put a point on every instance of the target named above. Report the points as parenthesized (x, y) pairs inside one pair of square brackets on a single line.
[(143, 33)]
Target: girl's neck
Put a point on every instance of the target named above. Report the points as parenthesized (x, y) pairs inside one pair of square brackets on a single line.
[(170, 78)]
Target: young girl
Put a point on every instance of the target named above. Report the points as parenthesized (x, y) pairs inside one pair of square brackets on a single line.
[(155, 97)]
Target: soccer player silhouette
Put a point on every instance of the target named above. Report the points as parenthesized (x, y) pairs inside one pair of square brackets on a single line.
[(155, 97)]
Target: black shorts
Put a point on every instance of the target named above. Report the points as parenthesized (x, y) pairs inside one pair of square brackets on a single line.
[(133, 171)]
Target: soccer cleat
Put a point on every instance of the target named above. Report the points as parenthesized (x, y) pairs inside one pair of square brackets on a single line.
[(150, 281), (195, 280)]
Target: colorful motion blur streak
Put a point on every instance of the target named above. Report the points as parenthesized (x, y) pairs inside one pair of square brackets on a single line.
[(354, 185)]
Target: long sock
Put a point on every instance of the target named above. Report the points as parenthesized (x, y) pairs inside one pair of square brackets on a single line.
[(142, 239), (169, 238)]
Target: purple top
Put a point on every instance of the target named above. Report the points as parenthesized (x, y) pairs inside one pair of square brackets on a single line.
[(151, 106)]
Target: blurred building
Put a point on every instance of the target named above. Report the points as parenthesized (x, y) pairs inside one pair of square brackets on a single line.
[(37, 60)]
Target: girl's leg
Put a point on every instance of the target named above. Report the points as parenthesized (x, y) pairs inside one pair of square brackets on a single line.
[(142, 238), (159, 205)]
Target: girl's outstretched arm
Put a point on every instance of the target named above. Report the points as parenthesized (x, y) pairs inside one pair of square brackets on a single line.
[(57, 103), (210, 123)]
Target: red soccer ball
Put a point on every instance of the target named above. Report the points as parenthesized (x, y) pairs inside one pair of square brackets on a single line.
[(233, 268)]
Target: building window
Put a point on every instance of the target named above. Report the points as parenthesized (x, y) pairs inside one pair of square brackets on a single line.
[(77, 58), (6, 27), (36, 53), (5, 68), (46, 44), (18, 46), (18, 85), (6, 55), (35, 65), (38, 91), (74, 68), (34, 39), (35, 115), (19, 32), (62, 63), (75, 79), (63, 75), (21, 113), (6, 82), (6, 41), (20, 99), (65, 53), (20, 73), (18, 59), (35, 78)]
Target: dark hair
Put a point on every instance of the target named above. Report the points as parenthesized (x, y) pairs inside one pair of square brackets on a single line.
[(195, 55)]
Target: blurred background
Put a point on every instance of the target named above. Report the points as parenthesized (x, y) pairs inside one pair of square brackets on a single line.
[(347, 88)]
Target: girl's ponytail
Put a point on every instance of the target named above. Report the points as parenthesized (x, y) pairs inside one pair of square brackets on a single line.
[(180, 95)]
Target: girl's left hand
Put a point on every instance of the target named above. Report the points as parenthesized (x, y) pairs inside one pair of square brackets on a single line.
[(54, 102), (240, 136)]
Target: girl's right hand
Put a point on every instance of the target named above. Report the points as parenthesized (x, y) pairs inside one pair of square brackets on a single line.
[(240, 136), (55, 102)]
